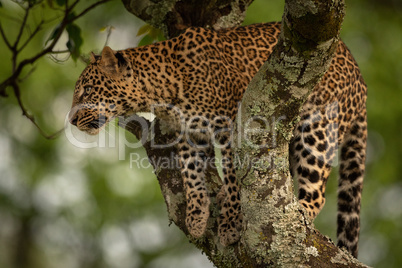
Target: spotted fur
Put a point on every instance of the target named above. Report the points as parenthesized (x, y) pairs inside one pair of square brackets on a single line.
[(197, 80)]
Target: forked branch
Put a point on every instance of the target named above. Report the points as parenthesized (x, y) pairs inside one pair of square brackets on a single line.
[(16, 48)]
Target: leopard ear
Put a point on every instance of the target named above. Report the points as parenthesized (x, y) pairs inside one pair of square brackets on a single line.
[(108, 60), (92, 57)]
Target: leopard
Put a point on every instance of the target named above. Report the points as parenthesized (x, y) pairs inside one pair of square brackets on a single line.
[(195, 82)]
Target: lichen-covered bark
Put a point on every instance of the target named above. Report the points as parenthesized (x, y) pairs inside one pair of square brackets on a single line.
[(174, 16), (305, 47), (275, 231)]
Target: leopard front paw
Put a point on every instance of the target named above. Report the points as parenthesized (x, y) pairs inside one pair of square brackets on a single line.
[(197, 216)]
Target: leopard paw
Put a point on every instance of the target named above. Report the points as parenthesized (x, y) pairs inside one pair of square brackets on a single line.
[(197, 216), (230, 225)]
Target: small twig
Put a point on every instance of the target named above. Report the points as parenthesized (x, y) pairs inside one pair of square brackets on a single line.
[(11, 18), (57, 60), (60, 51), (89, 8), (27, 75), (55, 18), (37, 29), (20, 3), (3, 35), (70, 8), (84, 59), (109, 32), (31, 118), (24, 21), (13, 79), (49, 48)]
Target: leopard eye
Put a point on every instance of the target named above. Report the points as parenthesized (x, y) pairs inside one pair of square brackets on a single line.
[(87, 90)]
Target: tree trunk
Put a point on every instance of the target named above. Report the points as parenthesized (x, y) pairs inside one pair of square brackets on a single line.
[(275, 231)]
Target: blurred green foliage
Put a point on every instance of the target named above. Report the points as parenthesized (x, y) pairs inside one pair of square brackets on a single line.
[(102, 207), (150, 35)]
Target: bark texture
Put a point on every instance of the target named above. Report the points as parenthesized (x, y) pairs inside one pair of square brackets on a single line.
[(174, 16), (275, 231)]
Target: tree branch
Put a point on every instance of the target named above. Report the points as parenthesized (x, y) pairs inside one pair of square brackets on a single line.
[(3, 35), (88, 9), (275, 231), (17, 69), (21, 30), (49, 49), (31, 118), (172, 17), (37, 29)]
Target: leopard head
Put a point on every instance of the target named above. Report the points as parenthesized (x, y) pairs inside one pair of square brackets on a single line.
[(102, 91)]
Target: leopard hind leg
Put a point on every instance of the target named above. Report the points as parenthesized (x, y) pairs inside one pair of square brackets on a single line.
[(230, 219), (193, 162), (312, 151), (350, 185)]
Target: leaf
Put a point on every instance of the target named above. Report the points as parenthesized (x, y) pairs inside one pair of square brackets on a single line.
[(144, 29), (71, 16), (146, 40), (61, 2), (108, 29), (32, 3), (54, 34), (74, 40), (151, 34), (161, 37)]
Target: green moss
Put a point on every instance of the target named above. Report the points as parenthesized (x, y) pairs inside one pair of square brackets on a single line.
[(290, 232), (304, 38), (157, 13), (318, 244)]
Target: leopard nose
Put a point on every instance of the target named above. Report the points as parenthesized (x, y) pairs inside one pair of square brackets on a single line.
[(73, 118), (73, 121)]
